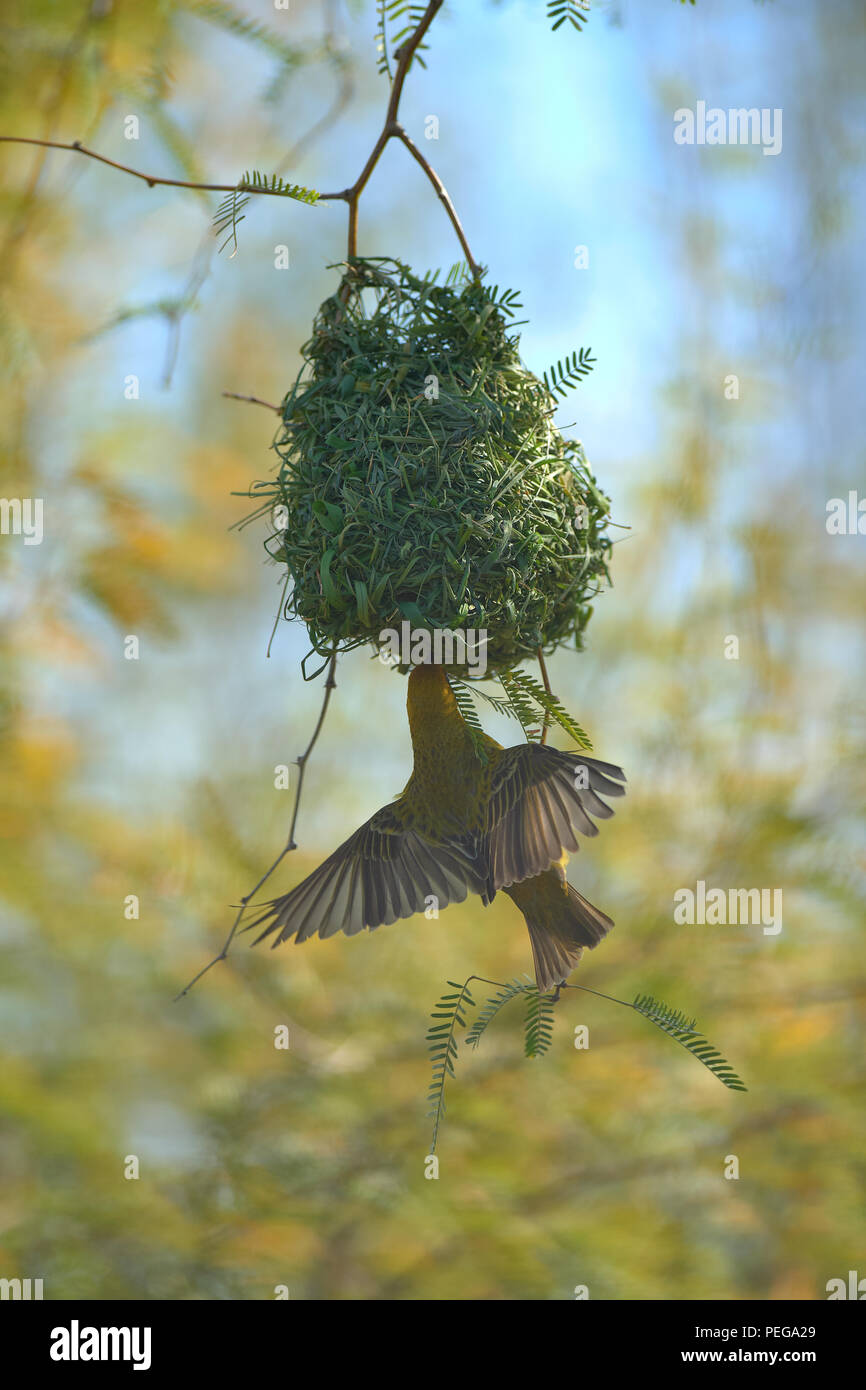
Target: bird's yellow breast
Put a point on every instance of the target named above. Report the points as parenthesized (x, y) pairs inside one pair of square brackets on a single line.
[(447, 780)]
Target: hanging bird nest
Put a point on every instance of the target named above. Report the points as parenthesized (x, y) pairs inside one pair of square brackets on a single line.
[(421, 476)]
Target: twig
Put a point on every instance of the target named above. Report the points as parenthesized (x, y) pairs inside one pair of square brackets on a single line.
[(152, 180), (504, 984), (442, 195), (278, 613), (391, 130), (251, 400), (545, 678), (330, 684)]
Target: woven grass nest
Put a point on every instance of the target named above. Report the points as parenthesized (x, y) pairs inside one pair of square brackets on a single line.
[(421, 476)]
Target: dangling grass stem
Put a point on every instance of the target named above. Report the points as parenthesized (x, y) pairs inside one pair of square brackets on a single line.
[(330, 685)]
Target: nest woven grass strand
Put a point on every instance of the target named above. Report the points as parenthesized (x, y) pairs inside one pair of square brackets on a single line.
[(421, 476)]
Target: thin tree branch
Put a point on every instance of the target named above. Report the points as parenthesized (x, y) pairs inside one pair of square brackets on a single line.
[(441, 194), (404, 56), (391, 126), (391, 130), (330, 684), (251, 400), (546, 679), (152, 180)]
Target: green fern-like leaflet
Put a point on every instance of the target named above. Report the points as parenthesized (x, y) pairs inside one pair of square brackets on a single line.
[(389, 39), (526, 700), (569, 372), (450, 1014), (683, 1031), (467, 709), (574, 12), (230, 214), (539, 1016), (539, 1023)]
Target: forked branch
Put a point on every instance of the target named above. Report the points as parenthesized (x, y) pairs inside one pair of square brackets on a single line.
[(390, 130)]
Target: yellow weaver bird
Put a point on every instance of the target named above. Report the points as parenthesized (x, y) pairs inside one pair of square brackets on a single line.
[(461, 827)]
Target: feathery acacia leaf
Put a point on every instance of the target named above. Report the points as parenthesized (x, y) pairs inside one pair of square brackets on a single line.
[(529, 698), (496, 702), (671, 1020), (458, 274), (539, 1016), (389, 14), (539, 1023), (522, 706), (683, 1031), (228, 218), (506, 301), (449, 1013), (492, 1007), (574, 12), (257, 182), (230, 214), (569, 372), (466, 706)]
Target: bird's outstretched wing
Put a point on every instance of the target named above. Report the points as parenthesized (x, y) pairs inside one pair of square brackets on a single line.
[(385, 870), (540, 800)]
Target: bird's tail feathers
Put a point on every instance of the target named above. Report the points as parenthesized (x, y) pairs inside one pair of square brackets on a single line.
[(558, 943)]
